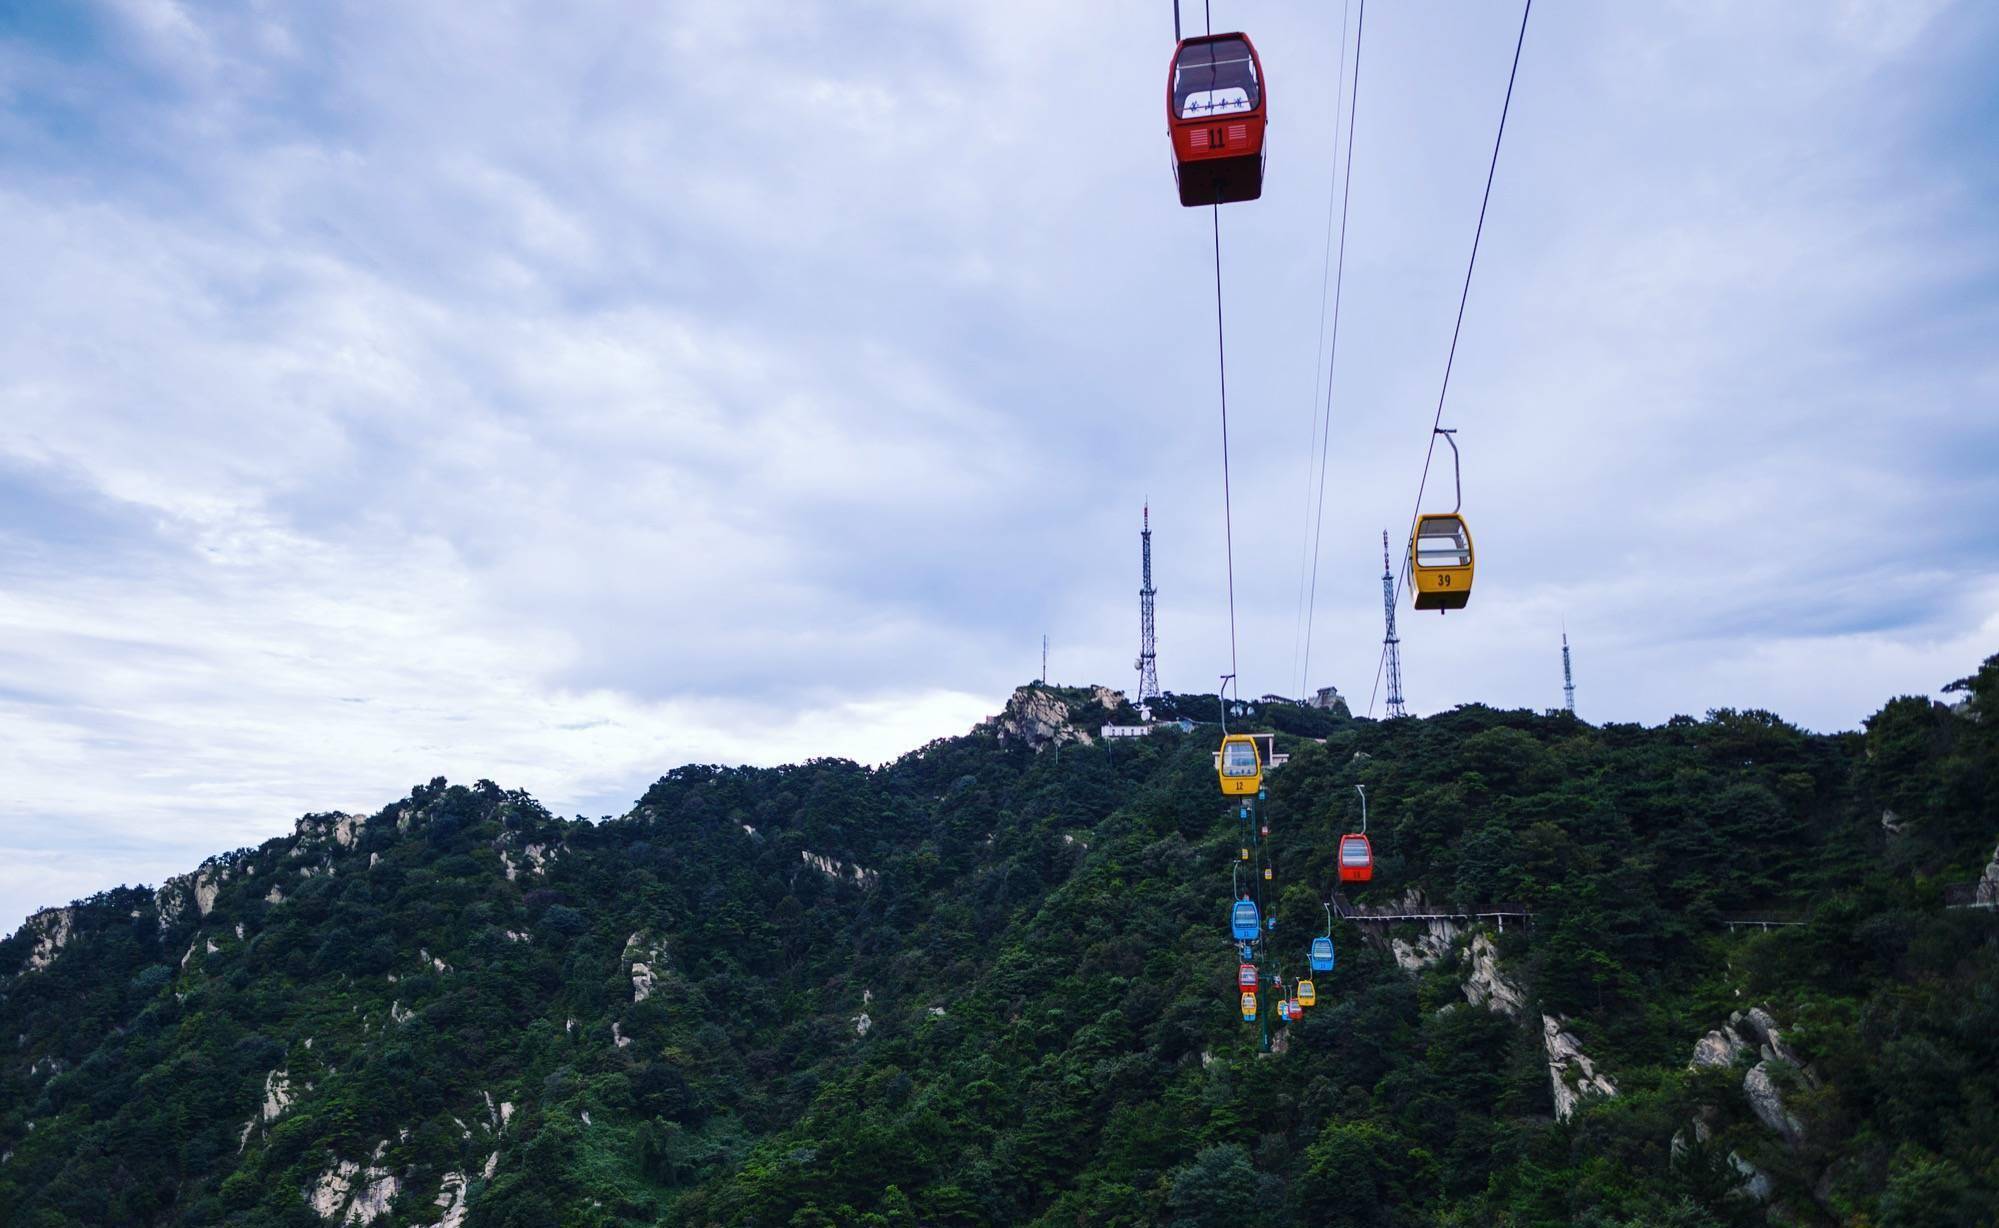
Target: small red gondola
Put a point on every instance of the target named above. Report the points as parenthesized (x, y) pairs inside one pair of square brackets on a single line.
[(1245, 976), (1215, 114), (1356, 858)]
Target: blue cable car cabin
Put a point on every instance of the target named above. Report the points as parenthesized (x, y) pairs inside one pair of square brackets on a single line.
[(1322, 955), (1244, 922)]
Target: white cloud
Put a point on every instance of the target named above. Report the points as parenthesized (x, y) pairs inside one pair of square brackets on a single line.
[(584, 394)]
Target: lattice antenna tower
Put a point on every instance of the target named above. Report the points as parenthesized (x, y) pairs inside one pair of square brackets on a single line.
[(1568, 678), (1391, 644), (1148, 663)]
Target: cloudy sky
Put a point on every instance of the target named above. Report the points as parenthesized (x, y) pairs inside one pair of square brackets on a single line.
[(559, 393)]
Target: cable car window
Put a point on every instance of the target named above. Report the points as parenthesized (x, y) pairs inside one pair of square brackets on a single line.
[(1239, 759), (1441, 543), (1217, 78), (1353, 853)]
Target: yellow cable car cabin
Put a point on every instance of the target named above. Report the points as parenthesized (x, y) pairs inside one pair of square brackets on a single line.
[(1440, 561), (1308, 993), (1241, 766)]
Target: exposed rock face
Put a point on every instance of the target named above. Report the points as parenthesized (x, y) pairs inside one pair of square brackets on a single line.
[(451, 1201), (1039, 719), (207, 885), (1435, 942), (1758, 1024), (1755, 1032), (199, 889), (364, 1194), (833, 867), (1988, 883), (534, 859), (1752, 1031), (330, 1193), (1718, 1048), (1487, 986), (342, 830), (1767, 1102), (169, 899), (498, 1114), (643, 955), (378, 1190), (1571, 1074), (277, 1094), (53, 928)]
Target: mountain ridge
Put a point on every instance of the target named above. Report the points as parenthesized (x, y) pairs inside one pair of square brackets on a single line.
[(987, 983)]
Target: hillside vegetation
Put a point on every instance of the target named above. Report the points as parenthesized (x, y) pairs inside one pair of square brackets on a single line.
[(990, 983)]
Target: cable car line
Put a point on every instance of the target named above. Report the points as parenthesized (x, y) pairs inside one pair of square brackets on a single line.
[(1325, 296), (1211, 76), (1464, 296), (1333, 358), (1228, 507)]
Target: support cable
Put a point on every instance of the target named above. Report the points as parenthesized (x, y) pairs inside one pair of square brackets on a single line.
[(1463, 296), (1228, 508), (1325, 297), (1332, 363)]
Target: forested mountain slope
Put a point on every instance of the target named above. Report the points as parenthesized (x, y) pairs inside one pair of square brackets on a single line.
[(990, 983)]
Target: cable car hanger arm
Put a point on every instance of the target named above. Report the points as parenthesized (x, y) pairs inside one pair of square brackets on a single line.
[(1457, 468)]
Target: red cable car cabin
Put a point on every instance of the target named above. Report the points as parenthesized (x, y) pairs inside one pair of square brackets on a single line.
[(1356, 858), (1215, 113), (1245, 976)]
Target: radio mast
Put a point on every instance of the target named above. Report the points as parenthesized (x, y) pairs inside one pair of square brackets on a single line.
[(1568, 679), (1391, 646), (1147, 664)]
